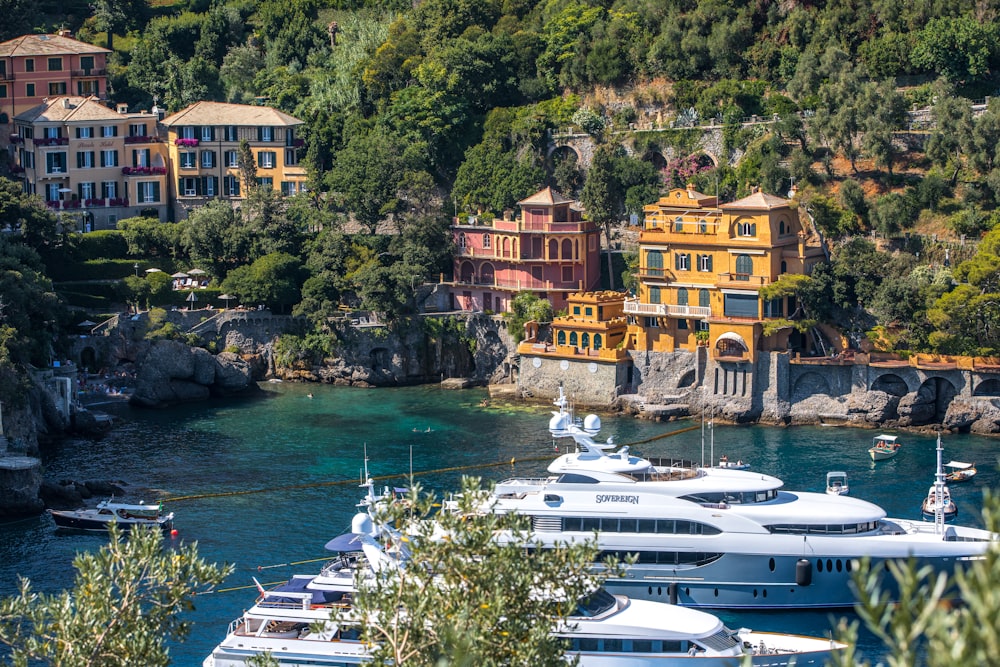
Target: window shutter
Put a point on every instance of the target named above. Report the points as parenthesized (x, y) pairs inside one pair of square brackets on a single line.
[(79, 159), (156, 191)]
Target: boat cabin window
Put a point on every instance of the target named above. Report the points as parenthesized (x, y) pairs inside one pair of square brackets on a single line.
[(823, 529), (595, 604), (625, 525), (733, 497), (573, 478), (722, 640), (615, 645), (693, 558)]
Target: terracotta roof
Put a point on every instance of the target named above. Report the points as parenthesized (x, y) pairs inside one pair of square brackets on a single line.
[(546, 197), (46, 45), (220, 113), (759, 200), (65, 109)]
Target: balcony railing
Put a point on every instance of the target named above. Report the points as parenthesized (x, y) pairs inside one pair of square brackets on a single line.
[(634, 307), (52, 141), (743, 280), (181, 141), (90, 72), (144, 171), (142, 139)]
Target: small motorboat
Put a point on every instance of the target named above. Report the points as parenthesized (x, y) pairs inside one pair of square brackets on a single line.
[(938, 505), (739, 464), (959, 471), (124, 514), (836, 483), (883, 447)]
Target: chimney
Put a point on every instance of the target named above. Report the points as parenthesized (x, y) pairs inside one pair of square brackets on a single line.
[(65, 33), (121, 108), (690, 189), (66, 104)]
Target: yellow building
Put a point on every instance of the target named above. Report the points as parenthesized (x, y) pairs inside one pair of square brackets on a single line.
[(204, 142), (701, 268), (94, 163), (594, 321)]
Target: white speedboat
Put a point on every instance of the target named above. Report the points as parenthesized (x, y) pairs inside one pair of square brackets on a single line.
[(126, 515), (836, 483), (718, 538), (307, 621), (884, 447)]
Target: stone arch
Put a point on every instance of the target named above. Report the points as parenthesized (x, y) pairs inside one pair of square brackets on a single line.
[(989, 387), (655, 158), (810, 384), (891, 384), (705, 160), (933, 397), (566, 251), (487, 274), (379, 359), (687, 380), (731, 344), (466, 272), (88, 358), (563, 152)]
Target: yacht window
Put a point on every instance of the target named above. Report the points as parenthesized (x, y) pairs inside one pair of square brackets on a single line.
[(721, 640), (596, 603), (585, 644), (591, 525), (571, 478), (665, 526), (572, 523), (642, 646), (647, 525), (628, 526), (612, 645)]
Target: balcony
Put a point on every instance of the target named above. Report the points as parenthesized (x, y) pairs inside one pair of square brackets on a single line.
[(142, 139), (144, 171), (52, 141), (89, 72), (181, 141), (744, 280), (656, 275), (634, 307), (6, 76)]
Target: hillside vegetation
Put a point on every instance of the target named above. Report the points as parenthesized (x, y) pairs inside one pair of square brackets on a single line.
[(416, 112)]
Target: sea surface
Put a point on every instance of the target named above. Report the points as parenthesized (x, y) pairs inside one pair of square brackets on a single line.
[(300, 449)]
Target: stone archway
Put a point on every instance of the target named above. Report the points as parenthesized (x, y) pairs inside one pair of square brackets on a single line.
[(989, 387), (687, 380), (88, 359), (810, 384), (929, 404), (892, 384)]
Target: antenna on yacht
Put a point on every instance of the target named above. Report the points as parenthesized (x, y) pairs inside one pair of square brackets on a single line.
[(711, 434), (939, 491)]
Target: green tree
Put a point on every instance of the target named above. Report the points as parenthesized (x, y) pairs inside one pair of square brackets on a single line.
[(366, 176), (960, 48), (602, 196), (128, 600), (524, 307), (274, 280), (471, 599), (119, 16), (26, 215), (247, 166), (29, 307), (216, 237)]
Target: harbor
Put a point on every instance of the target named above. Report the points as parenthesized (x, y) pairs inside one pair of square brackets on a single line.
[(265, 482)]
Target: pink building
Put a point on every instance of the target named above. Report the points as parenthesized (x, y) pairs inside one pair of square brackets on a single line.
[(36, 67), (548, 249)]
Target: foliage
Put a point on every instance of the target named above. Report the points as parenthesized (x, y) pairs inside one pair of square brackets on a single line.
[(291, 350), (29, 308), (525, 307), (274, 280), (127, 601), (366, 175), (960, 48), (470, 597)]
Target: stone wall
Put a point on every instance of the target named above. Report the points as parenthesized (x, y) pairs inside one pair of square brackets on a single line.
[(592, 383)]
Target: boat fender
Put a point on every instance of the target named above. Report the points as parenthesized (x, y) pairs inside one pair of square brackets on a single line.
[(803, 572), (672, 593)]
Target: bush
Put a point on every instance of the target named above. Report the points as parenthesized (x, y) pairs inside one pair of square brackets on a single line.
[(104, 244)]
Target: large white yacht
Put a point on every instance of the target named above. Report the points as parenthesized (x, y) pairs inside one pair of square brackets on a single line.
[(306, 621), (717, 537)]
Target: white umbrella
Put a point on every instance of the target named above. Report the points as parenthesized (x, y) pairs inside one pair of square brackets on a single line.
[(154, 270), (227, 298), (179, 274), (192, 297), (195, 272), (87, 323)]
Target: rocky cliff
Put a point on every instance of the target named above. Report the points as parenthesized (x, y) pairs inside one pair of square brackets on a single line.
[(171, 372)]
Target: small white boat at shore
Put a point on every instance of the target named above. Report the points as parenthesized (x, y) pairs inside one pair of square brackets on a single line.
[(883, 447), (836, 483)]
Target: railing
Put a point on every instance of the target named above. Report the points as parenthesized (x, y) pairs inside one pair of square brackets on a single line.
[(142, 139), (90, 72), (744, 279), (634, 307), (144, 171), (6, 76), (181, 141)]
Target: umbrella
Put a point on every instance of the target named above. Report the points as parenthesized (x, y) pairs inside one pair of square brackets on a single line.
[(227, 298), (154, 270), (192, 297), (87, 323), (179, 274), (195, 272)]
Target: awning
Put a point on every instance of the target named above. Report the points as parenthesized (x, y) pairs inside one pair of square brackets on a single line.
[(733, 336)]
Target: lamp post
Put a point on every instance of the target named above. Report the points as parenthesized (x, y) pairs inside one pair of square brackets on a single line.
[(136, 269)]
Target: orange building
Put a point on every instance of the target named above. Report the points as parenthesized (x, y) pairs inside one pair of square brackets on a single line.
[(702, 266), (594, 321), (36, 67), (204, 142)]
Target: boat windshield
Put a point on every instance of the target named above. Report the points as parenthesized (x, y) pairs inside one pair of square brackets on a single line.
[(595, 604)]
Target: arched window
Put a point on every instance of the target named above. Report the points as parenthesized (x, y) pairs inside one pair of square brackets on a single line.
[(572, 338), (654, 262), (682, 296), (654, 294), (678, 224), (784, 266), (702, 226), (704, 298), (746, 229), (486, 240), (505, 247), (567, 249), (597, 341), (781, 227), (553, 249), (744, 267), (585, 340), (561, 338)]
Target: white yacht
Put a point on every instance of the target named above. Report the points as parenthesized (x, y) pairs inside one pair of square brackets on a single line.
[(716, 537), (306, 621)]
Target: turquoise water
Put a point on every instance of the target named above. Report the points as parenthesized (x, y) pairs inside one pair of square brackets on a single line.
[(284, 438)]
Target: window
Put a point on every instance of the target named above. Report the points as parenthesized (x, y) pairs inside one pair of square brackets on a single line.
[(109, 131), (84, 133), (52, 192), (744, 267), (51, 132), (27, 159), (207, 133), (702, 226), (746, 229), (704, 298), (28, 132), (561, 338), (148, 192), (740, 305), (266, 182), (288, 188), (209, 185), (682, 324), (189, 186), (289, 136), (774, 308), (57, 88), (232, 159), (231, 186), (55, 64), (486, 240), (588, 311), (781, 228), (85, 88), (585, 340), (682, 296), (654, 262), (137, 130), (230, 133), (567, 274), (208, 159), (29, 64), (86, 190), (573, 340), (189, 160), (265, 133), (29, 90), (109, 189), (597, 341), (109, 158), (682, 261), (784, 266), (3, 90), (704, 263), (87, 63), (140, 157), (678, 224), (654, 294), (265, 159), (187, 132), (576, 310), (85, 159), (55, 163), (291, 156), (651, 323)]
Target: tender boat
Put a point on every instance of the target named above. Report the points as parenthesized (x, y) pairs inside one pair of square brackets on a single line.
[(717, 538), (938, 505), (883, 447), (124, 514), (306, 621), (959, 471), (739, 464), (836, 483)]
